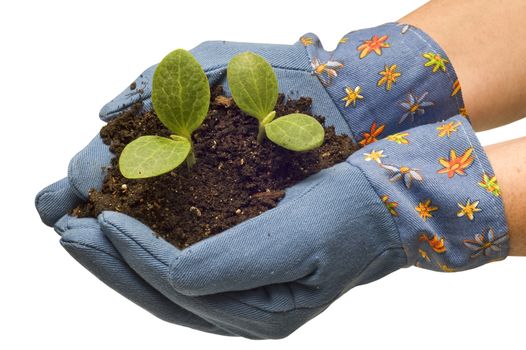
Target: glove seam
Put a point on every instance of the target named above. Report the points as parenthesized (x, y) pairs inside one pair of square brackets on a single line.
[(331, 97), (308, 307), (390, 216)]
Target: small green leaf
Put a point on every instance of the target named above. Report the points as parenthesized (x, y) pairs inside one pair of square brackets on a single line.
[(149, 156), (253, 84), (296, 132), (180, 93)]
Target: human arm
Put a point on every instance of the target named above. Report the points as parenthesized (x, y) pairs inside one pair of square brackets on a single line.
[(509, 162), (484, 41)]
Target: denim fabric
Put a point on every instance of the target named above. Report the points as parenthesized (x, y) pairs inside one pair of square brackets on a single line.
[(333, 231), (441, 191), (386, 79)]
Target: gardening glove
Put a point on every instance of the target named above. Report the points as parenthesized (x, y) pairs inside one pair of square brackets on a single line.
[(85, 240)]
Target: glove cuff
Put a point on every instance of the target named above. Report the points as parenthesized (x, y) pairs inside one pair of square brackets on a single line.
[(437, 183), (386, 79)]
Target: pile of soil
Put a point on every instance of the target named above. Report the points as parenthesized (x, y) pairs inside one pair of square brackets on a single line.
[(234, 179)]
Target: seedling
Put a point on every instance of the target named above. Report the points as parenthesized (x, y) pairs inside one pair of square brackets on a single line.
[(254, 88), (181, 98)]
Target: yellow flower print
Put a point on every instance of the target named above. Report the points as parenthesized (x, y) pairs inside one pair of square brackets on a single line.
[(375, 44), (425, 209), (343, 40), (390, 205), (399, 138), (490, 184), (435, 60), (447, 129), (456, 88), (456, 165), (437, 244), (371, 136), (352, 96), (389, 76), (306, 41), (424, 255), (374, 155), (468, 209), (445, 268)]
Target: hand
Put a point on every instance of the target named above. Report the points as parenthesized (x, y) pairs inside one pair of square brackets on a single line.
[(214, 310)]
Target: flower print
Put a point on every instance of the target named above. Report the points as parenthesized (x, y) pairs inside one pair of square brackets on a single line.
[(399, 138), (390, 205), (462, 111), (375, 44), (425, 209), (374, 155), (352, 96), (447, 129), (389, 76), (486, 246), (306, 41), (445, 268), (456, 165), (343, 40), (435, 60), (455, 87), (371, 136), (490, 184), (325, 71), (424, 255), (414, 105), (468, 209), (405, 27), (406, 174), (437, 244)]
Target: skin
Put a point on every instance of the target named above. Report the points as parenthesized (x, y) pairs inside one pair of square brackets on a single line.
[(484, 40), (508, 160)]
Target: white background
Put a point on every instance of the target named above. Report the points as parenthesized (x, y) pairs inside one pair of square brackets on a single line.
[(61, 61)]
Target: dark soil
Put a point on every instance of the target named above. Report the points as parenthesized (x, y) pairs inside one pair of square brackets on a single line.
[(234, 179)]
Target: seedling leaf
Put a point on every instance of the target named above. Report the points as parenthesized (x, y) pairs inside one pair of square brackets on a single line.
[(296, 132), (149, 156), (180, 93), (253, 84)]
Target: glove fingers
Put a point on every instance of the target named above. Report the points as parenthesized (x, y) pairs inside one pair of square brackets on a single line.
[(255, 314), (55, 201), (139, 90), (83, 239), (87, 169)]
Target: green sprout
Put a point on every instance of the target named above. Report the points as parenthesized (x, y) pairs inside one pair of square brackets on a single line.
[(254, 88), (181, 98)]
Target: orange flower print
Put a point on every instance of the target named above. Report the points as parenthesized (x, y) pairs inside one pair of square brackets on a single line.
[(435, 60), (375, 44), (462, 111), (352, 95), (468, 209), (425, 209), (447, 129), (306, 41), (399, 138), (389, 76), (490, 184), (456, 165), (371, 136), (390, 205), (437, 244), (455, 87)]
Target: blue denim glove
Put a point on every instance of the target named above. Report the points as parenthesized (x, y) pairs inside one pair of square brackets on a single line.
[(336, 229)]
